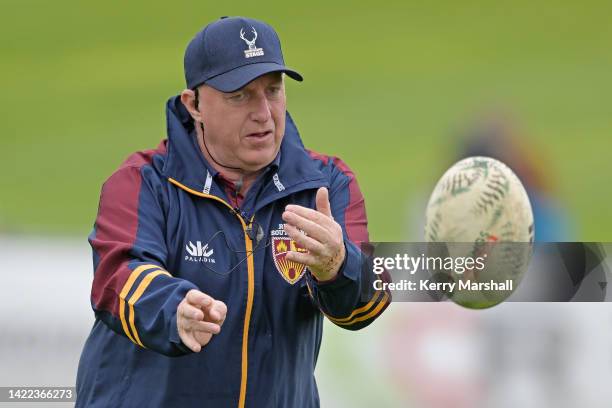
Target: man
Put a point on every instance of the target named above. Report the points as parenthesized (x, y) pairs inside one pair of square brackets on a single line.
[(217, 254)]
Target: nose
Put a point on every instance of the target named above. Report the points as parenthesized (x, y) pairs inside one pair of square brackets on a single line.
[(261, 110)]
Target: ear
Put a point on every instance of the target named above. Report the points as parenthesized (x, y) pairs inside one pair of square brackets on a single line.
[(188, 100)]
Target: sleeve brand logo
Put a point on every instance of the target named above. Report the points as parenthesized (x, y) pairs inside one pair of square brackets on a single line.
[(198, 253)]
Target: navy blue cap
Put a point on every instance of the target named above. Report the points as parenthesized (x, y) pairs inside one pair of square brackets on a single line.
[(231, 52)]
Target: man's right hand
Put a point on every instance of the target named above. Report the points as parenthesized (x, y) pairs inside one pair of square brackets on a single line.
[(198, 317)]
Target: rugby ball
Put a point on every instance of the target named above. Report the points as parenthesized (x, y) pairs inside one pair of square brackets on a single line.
[(480, 206)]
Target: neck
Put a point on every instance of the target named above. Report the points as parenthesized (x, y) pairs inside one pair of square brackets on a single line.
[(236, 176)]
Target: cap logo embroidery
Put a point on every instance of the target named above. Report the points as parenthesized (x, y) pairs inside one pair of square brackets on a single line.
[(253, 51)]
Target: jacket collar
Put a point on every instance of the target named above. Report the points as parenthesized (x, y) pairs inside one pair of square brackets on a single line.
[(186, 164)]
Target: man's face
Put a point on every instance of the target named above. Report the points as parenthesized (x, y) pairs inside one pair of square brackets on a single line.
[(245, 128)]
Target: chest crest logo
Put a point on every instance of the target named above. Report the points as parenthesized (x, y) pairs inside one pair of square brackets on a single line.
[(281, 244)]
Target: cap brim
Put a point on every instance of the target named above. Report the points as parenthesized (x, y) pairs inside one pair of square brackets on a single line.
[(237, 78)]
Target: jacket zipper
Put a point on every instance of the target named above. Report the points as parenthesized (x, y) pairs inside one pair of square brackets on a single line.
[(250, 289)]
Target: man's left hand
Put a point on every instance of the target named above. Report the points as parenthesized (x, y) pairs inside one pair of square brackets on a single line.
[(319, 234)]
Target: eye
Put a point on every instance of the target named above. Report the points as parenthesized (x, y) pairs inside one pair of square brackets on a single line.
[(275, 90), (237, 97)]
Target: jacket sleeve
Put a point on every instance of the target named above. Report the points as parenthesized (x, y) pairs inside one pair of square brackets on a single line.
[(350, 300), (133, 293)]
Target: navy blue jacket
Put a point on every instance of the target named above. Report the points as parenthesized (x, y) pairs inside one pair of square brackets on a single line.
[(164, 227)]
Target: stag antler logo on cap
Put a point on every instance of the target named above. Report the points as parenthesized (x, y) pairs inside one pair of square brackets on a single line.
[(253, 51)]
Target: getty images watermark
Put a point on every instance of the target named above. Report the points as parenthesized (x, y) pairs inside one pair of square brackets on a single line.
[(458, 266), (484, 274)]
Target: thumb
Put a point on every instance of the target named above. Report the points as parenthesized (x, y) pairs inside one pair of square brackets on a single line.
[(322, 202)]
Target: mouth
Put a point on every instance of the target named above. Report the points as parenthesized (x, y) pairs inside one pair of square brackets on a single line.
[(259, 135)]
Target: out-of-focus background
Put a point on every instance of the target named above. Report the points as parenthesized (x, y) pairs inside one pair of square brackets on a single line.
[(400, 91)]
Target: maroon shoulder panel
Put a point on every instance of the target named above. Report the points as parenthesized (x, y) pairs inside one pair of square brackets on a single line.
[(355, 218)]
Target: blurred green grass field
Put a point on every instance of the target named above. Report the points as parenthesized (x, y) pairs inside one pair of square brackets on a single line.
[(386, 84)]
